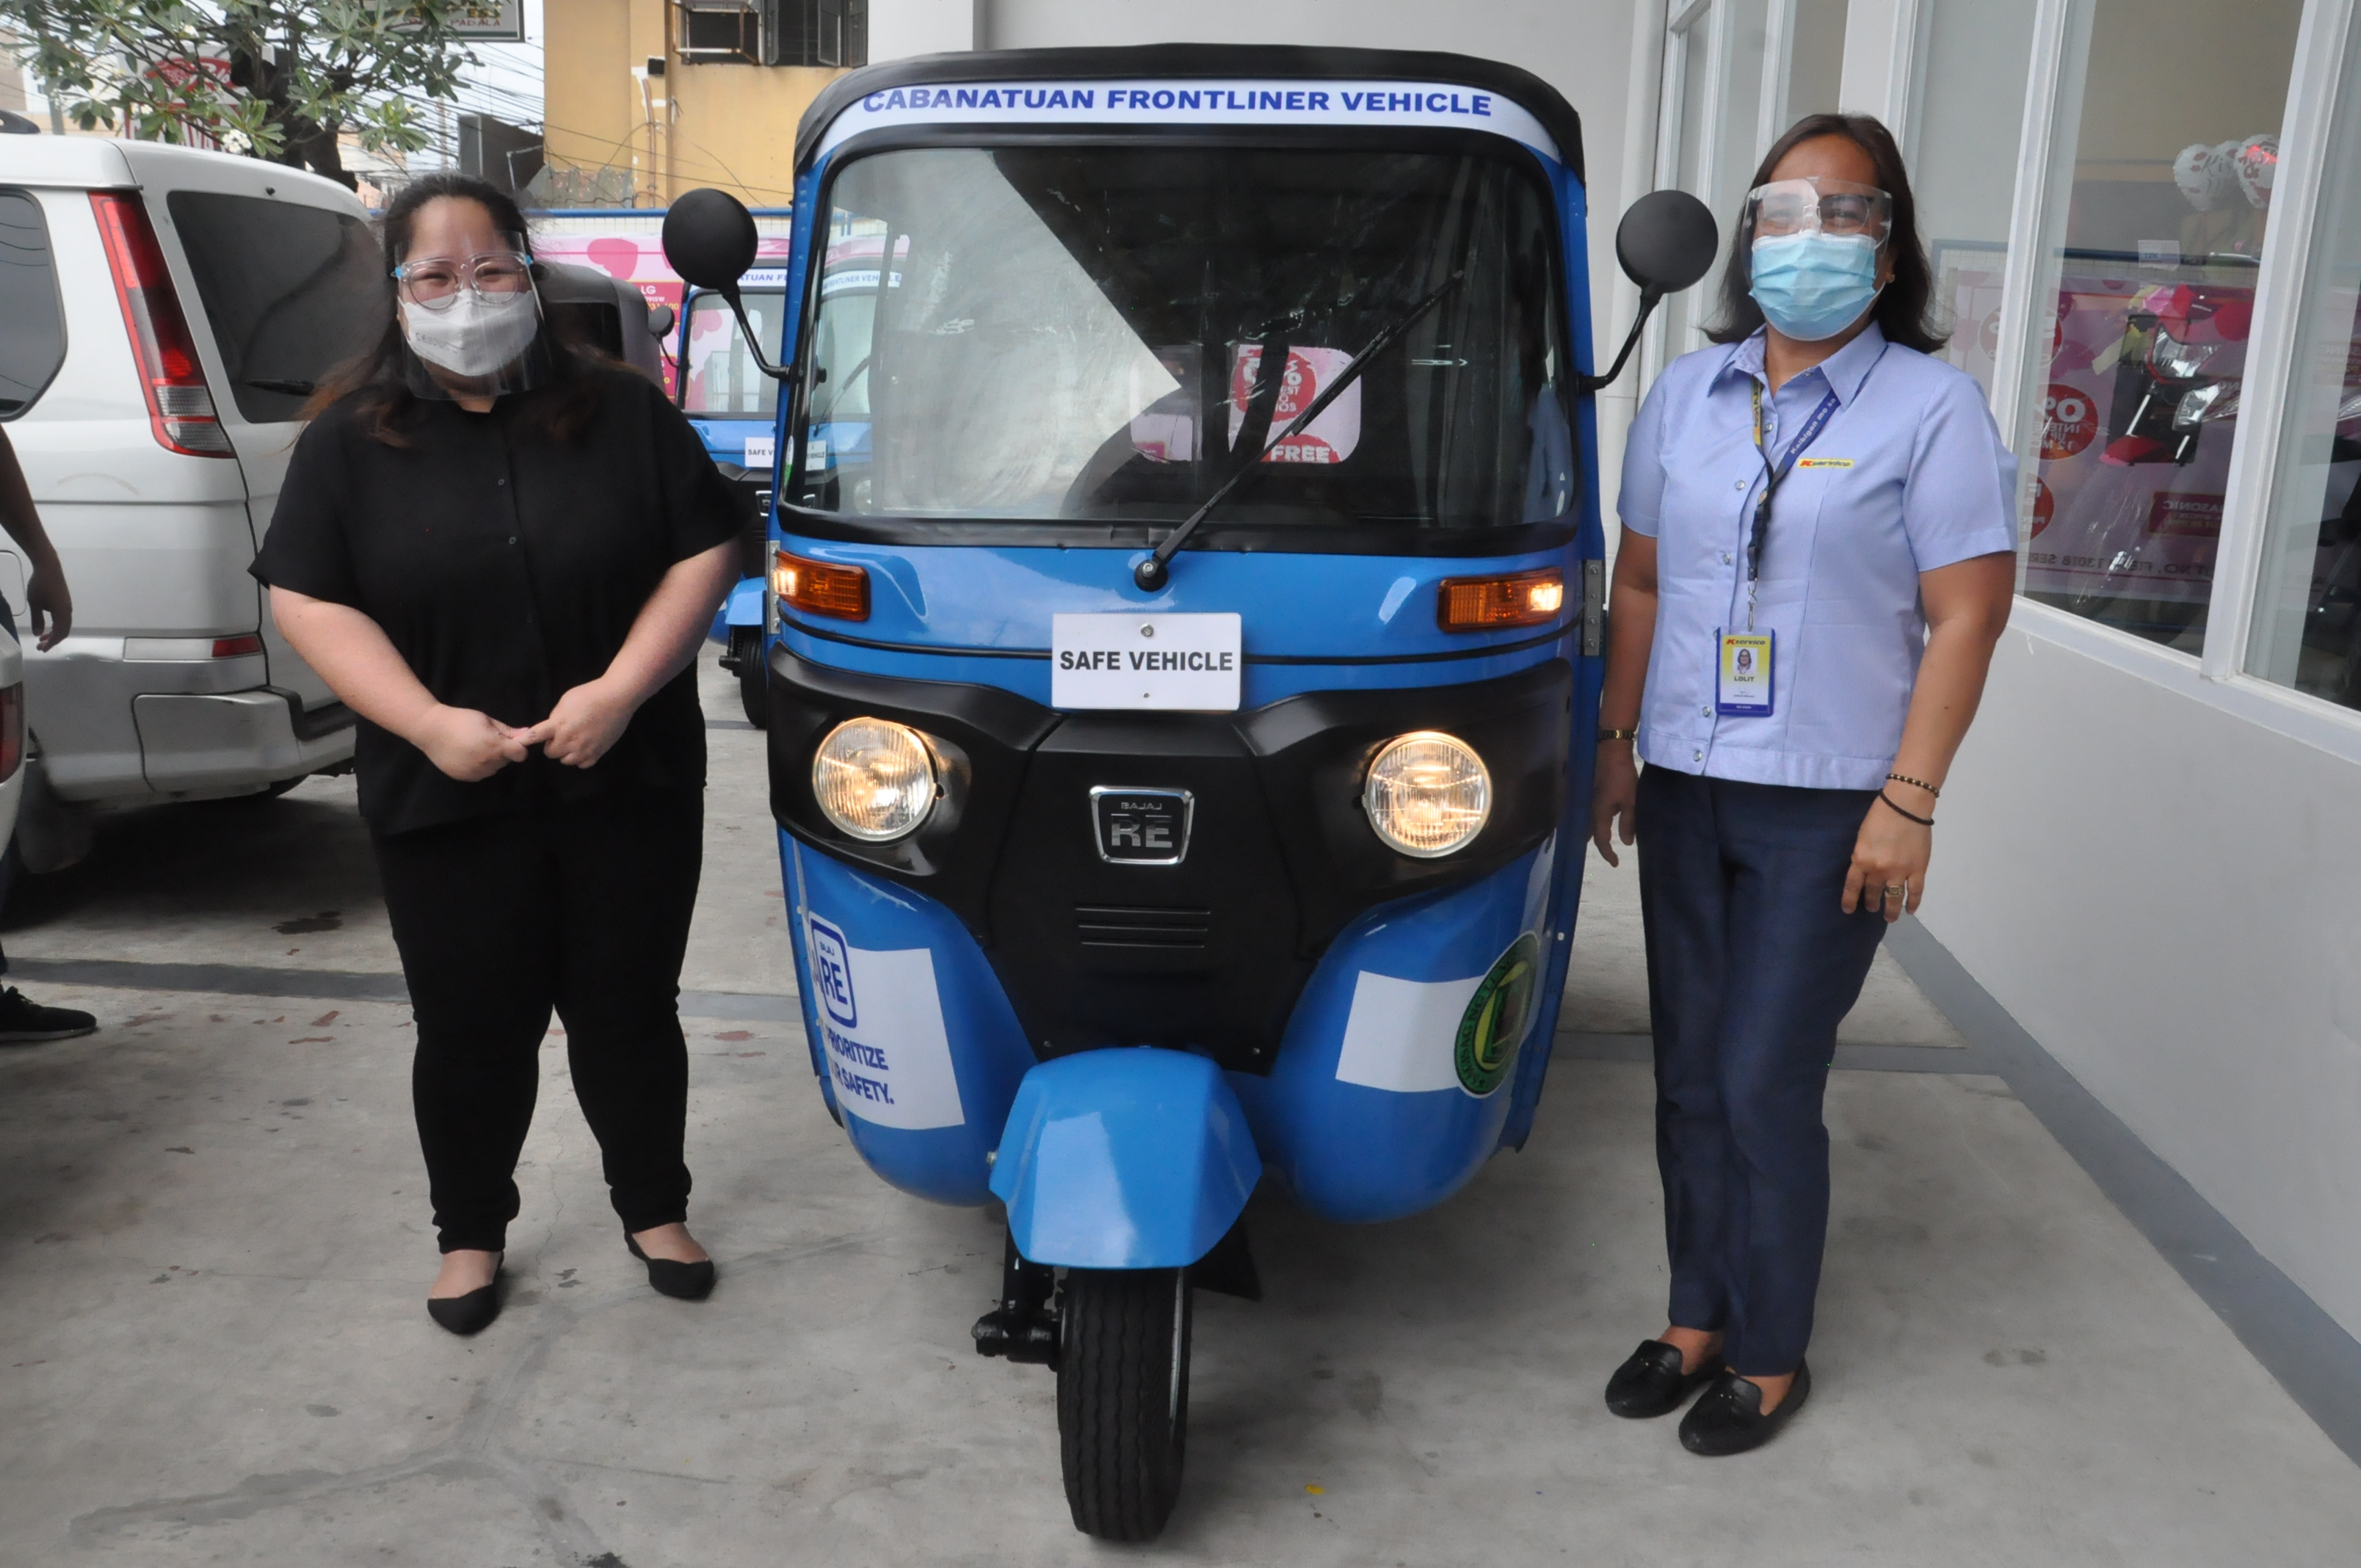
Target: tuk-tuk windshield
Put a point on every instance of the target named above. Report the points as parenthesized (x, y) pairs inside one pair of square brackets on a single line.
[(1079, 334), (718, 376)]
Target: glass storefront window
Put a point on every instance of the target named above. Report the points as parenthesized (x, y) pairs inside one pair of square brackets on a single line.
[(1965, 121), (2159, 199), (2308, 619)]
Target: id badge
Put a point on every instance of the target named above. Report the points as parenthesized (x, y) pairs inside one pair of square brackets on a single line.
[(1743, 681)]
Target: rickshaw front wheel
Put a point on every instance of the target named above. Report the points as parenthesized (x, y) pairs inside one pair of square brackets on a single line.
[(753, 676), (1123, 1397)]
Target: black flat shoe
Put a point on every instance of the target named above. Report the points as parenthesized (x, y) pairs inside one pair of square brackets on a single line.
[(1730, 1419), (1651, 1382), (468, 1314), (682, 1281)]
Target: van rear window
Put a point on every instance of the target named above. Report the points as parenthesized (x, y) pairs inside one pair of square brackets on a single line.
[(32, 318), (291, 292)]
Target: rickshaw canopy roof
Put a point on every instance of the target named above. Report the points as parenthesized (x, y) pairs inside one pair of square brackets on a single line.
[(1260, 63)]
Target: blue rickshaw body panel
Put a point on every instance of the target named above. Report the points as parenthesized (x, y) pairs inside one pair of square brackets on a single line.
[(1363, 1116), (914, 1042), (1124, 1159)]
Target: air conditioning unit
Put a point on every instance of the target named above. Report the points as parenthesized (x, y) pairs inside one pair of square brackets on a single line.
[(720, 32)]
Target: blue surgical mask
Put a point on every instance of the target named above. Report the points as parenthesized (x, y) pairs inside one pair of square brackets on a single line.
[(1814, 285)]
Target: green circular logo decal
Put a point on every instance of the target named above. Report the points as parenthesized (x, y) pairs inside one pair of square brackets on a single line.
[(1494, 1024)]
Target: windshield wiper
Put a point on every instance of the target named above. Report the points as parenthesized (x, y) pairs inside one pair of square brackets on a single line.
[(1157, 570), (292, 388)]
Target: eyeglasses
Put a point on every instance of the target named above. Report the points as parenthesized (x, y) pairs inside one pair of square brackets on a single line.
[(435, 281), (1828, 206)]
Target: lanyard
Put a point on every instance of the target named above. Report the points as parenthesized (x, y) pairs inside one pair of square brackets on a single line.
[(1771, 478)]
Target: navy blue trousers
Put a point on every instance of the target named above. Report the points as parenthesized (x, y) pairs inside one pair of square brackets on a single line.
[(1752, 964)]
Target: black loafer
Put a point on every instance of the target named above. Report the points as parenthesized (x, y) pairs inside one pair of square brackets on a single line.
[(468, 1314), (1730, 1419), (1651, 1382), (682, 1281)]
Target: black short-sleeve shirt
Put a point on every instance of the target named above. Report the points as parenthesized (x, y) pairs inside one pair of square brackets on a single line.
[(507, 567)]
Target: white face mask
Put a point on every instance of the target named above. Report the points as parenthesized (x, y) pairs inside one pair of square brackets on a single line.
[(471, 336)]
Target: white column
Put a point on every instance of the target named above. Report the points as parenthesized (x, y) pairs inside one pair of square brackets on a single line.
[(1879, 51), (900, 28)]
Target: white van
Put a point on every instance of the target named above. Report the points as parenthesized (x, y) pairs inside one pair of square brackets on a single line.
[(164, 315)]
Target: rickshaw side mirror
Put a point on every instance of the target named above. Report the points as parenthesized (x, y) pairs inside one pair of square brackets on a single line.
[(1666, 242), (710, 239), (660, 322)]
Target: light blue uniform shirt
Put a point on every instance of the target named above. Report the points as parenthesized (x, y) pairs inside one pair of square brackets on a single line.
[(1922, 480)]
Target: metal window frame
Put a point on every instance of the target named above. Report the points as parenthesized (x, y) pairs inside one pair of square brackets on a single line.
[(2274, 353)]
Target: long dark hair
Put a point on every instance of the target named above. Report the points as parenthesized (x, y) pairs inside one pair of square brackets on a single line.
[(378, 382), (1902, 306)]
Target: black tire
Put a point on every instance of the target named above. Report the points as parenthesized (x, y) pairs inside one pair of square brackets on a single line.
[(1123, 1397), (753, 683)]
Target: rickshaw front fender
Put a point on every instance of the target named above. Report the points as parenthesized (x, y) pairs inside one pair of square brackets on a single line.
[(1124, 1158)]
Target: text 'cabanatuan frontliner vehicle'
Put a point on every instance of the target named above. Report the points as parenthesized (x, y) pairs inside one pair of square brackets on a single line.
[(1187, 590)]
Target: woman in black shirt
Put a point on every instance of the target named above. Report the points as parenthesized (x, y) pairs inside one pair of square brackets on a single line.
[(502, 551)]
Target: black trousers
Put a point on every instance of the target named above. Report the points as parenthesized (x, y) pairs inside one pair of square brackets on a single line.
[(1752, 963), (582, 907)]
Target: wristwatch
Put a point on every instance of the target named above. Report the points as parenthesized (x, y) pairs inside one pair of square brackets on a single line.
[(1607, 734)]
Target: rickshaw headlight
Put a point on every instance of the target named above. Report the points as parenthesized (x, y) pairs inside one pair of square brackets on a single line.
[(876, 779), (1428, 795)]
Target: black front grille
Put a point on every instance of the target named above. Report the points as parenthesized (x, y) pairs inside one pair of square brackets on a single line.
[(1143, 925)]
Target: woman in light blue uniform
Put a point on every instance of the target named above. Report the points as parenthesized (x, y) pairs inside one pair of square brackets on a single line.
[(1816, 560)]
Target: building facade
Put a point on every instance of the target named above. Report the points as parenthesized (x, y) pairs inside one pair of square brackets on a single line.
[(645, 99)]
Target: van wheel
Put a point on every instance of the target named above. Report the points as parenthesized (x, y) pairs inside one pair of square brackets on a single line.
[(753, 683), (1123, 1397)]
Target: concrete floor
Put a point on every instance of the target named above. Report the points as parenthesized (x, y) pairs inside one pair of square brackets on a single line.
[(215, 1240)]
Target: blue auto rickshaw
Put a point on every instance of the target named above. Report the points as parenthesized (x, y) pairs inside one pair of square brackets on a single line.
[(1188, 610)]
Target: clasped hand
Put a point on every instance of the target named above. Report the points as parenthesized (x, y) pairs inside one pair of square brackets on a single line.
[(469, 745)]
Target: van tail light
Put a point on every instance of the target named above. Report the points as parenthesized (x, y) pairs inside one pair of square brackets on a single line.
[(12, 731), (237, 647), (820, 587), (1485, 604), (180, 408)]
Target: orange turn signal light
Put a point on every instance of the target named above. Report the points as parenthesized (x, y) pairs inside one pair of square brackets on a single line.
[(820, 587), (1484, 604)]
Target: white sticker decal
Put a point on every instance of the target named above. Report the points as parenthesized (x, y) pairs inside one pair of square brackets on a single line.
[(1402, 1034), (760, 450), (883, 1023)]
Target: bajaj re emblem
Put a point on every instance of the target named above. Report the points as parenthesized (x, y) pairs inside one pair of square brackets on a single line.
[(1494, 1024), (1141, 827)]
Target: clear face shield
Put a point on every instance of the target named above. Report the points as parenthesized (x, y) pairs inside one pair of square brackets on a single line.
[(1836, 208), (475, 320)]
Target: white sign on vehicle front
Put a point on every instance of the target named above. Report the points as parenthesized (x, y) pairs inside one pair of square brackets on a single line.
[(1188, 662)]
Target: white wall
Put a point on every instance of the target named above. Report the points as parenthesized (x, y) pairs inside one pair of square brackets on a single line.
[(900, 28), (2166, 892)]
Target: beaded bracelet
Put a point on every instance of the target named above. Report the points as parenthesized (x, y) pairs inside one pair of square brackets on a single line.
[(1922, 783)]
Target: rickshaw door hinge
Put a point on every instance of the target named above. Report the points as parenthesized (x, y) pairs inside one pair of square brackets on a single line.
[(1594, 608)]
